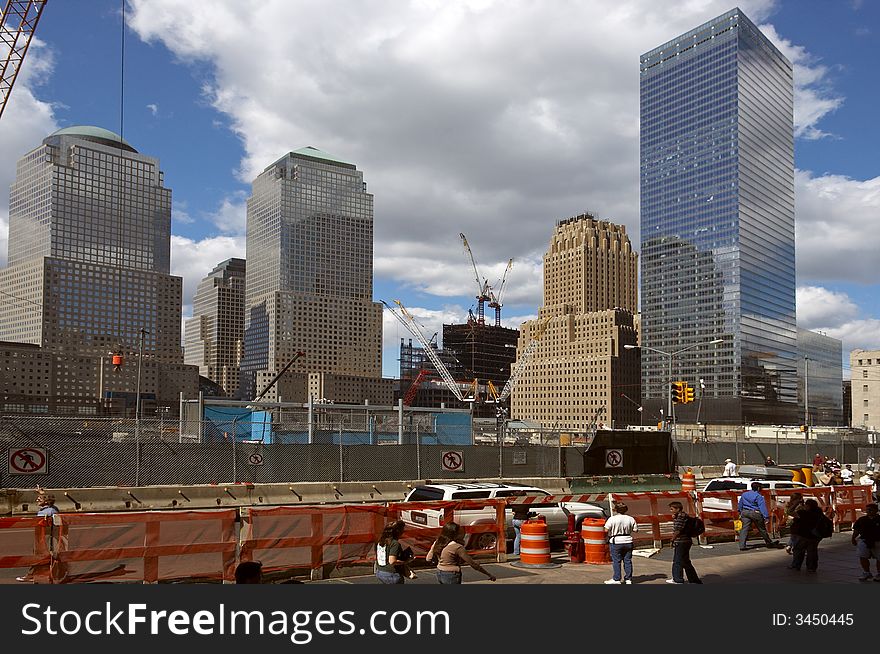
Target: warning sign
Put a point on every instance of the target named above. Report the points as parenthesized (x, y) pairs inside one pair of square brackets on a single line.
[(613, 458), (452, 461), (27, 461), (255, 459)]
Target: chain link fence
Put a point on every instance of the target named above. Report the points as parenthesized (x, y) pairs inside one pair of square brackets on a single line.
[(241, 447)]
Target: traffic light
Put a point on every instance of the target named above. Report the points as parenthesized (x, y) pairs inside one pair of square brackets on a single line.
[(678, 392), (688, 393)]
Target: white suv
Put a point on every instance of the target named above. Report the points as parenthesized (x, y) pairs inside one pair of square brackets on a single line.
[(555, 513), (740, 485)]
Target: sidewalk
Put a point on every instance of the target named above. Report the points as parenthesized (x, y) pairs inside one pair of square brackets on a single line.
[(718, 564)]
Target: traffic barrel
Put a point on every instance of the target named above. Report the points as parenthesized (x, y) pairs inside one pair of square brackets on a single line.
[(534, 548), (595, 546), (534, 545), (688, 481)]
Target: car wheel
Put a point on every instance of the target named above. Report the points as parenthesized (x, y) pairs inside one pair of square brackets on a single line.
[(484, 542)]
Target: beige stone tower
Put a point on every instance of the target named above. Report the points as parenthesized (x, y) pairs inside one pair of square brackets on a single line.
[(580, 374)]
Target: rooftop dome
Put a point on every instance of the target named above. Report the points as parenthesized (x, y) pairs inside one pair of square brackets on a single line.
[(96, 134)]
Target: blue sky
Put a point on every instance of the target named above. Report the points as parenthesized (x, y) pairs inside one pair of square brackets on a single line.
[(490, 118)]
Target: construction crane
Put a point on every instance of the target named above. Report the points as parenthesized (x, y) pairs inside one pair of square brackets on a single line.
[(484, 294), (414, 387), (17, 25), (278, 376), (521, 363), (495, 300), (407, 320)]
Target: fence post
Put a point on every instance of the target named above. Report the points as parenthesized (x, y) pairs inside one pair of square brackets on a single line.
[(418, 454), (341, 472), (234, 454)]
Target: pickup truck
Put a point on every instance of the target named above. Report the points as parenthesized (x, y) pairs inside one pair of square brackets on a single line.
[(556, 514)]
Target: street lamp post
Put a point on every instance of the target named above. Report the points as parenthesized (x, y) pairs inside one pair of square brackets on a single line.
[(670, 356), (806, 409)]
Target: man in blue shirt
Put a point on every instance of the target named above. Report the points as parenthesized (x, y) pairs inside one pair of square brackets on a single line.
[(753, 509)]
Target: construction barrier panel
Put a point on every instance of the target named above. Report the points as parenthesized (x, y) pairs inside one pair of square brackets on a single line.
[(145, 546), (849, 504), (483, 521), (653, 515), (24, 549), (286, 538)]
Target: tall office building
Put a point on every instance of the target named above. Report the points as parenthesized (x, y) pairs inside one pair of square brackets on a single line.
[(717, 223), (865, 367), (820, 371), (581, 374), (310, 283), (89, 267), (214, 336)]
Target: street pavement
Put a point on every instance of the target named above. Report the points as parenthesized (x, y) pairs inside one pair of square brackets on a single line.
[(717, 564)]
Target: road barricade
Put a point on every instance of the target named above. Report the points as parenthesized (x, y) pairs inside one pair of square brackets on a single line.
[(483, 533), (145, 546), (24, 549), (849, 504), (651, 508), (287, 538)]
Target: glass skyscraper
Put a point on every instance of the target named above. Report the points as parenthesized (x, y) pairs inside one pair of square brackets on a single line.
[(717, 224), (310, 278)]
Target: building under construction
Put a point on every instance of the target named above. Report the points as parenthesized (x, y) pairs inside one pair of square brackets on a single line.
[(471, 352)]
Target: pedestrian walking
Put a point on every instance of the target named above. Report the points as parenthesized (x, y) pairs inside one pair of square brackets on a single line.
[(729, 468), (865, 536), (809, 525), (450, 554), (818, 463), (521, 514), (795, 504), (847, 474), (869, 463), (620, 528), (46, 502), (681, 544), (391, 566), (768, 461), (753, 510)]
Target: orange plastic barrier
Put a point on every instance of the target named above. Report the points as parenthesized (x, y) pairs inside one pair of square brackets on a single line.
[(651, 508), (491, 528), (24, 549), (849, 503), (534, 543), (310, 537), (145, 546), (596, 548)]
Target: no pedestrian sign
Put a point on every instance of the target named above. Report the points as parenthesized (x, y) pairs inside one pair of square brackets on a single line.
[(613, 458), (27, 461), (452, 461)]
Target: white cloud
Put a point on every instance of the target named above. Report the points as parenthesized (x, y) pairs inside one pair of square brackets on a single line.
[(154, 109), (819, 308), (26, 122), (193, 260), (491, 118), (838, 228), (231, 216), (814, 96), (179, 213)]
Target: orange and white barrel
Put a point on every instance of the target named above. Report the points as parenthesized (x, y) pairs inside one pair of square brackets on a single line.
[(688, 481), (534, 547), (595, 546)]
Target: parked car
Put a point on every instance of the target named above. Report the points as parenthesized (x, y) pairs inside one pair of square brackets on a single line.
[(740, 485), (556, 514)]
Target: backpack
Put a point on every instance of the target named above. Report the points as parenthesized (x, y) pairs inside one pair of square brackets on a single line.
[(695, 526), (824, 528)]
